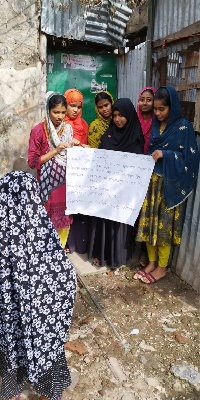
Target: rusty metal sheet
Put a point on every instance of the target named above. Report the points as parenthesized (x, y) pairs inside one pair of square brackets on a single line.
[(131, 74), (182, 67), (186, 260), (73, 19), (173, 15)]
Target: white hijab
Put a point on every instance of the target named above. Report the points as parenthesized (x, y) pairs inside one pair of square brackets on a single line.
[(54, 140)]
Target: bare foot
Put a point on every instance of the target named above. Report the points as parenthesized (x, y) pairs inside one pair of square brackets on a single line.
[(143, 260), (157, 273), (149, 268), (96, 262)]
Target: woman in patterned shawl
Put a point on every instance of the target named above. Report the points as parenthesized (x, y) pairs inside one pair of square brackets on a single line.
[(48, 154), (173, 146), (37, 292), (103, 104)]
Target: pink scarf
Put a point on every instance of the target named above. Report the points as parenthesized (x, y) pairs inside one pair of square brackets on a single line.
[(145, 125)]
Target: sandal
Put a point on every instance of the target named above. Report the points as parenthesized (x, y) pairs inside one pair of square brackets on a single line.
[(67, 250), (151, 279), (141, 274)]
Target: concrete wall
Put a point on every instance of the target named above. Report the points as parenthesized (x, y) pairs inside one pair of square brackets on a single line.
[(22, 80), (138, 19)]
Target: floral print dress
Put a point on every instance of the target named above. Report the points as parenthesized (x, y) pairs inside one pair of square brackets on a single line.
[(37, 292), (157, 225)]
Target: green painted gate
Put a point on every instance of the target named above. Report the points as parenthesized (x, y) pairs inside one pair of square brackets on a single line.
[(87, 72)]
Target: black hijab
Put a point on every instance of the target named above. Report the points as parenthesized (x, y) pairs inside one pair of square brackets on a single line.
[(129, 138)]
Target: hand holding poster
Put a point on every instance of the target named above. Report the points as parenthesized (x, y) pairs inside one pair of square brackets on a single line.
[(107, 184)]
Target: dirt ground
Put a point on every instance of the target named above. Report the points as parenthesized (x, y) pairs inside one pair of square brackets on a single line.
[(167, 316)]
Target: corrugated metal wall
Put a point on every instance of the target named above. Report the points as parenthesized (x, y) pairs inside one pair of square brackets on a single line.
[(185, 70), (63, 19), (107, 23), (186, 260), (173, 15), (131, 74), (181, 67), (104, 23)]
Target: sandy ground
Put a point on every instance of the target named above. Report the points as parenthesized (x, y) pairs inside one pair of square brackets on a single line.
[(166, 315), (146, 365)]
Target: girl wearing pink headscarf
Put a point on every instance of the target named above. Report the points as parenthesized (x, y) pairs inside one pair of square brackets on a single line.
[(144, 111)]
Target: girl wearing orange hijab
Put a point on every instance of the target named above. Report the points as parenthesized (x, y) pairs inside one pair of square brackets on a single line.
[(78, 234), (74, 111)]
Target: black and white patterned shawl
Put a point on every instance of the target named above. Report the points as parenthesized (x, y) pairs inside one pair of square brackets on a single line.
[(37, 281)]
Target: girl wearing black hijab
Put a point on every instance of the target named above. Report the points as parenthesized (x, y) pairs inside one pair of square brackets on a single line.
[(111, 241)]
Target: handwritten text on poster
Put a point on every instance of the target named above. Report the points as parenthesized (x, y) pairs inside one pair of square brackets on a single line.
[(107, 184)]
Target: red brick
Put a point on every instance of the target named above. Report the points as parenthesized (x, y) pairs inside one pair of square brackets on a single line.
[(76, 345), (181, 339)]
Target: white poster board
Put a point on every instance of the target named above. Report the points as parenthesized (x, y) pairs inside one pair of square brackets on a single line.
[(107, 184)]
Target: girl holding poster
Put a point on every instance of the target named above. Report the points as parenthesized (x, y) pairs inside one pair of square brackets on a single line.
[(47, 153), (111, 241), (173, 146)]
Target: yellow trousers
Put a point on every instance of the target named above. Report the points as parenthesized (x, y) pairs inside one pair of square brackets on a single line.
[(159, 253), (63, 235)]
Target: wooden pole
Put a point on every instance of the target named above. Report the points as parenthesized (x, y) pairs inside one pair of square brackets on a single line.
[(151, 5)]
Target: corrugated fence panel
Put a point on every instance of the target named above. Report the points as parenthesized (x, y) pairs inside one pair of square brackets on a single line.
[(131, 74), (72, 19), (186, 263), (173, 15), (183, 68), (63, 19)]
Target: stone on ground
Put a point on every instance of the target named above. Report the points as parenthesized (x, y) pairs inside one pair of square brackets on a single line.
[(116, 369), (185, 372)]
